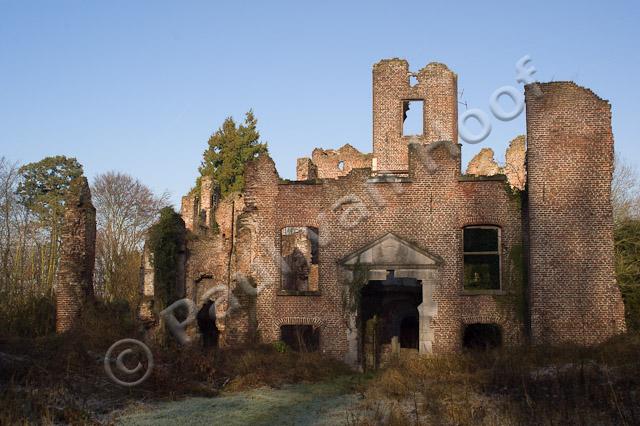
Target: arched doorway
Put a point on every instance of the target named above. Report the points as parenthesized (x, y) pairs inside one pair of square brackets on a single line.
[(388, 313), (206, 319)]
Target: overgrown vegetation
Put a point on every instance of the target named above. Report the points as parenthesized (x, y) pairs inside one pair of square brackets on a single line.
[(61, 379), (229, 149), (627, 246), (31, 212), (353, 289), (166, 239), (542, 385), (516, 287), (125, 209)]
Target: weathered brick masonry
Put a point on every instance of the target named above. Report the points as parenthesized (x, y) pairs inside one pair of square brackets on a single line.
[(77, 255), (400, 214), (574, 296)]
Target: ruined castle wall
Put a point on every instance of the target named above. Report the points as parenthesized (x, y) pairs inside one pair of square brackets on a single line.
[(211, 265), (562, 229), (483, 163), (574, 297), (306, 170), (74, 279), (427, 209), (333, 163), (189, 210), (436, 86)]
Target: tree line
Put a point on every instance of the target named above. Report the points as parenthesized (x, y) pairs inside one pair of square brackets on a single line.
[(625, 198), (32, 212)]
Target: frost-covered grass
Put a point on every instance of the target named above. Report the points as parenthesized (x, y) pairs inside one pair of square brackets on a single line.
[(326, 403)]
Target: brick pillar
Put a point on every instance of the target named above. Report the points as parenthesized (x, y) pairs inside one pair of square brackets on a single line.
[(306, 170), (77, 255), (209, 198), (188, 211)]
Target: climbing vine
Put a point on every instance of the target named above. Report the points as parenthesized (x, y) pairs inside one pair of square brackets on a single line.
[(353, 289), (515, 194), (516, 297), (166, 238)]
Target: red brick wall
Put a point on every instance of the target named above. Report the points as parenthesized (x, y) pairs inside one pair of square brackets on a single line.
[(331, 163), (429, 212)]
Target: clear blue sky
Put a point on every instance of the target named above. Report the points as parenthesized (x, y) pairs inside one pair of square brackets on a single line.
[(138, 86)]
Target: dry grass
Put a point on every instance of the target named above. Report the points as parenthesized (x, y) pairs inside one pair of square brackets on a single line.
[(566, 385), (60, 379)]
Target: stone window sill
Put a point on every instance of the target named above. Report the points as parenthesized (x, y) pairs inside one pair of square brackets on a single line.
[(297, 293), (483, 292)]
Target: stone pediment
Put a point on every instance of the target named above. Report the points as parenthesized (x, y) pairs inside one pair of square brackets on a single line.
[(391, 250)]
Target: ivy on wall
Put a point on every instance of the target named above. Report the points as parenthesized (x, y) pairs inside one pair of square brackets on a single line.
[(515, 299), (166, 240), (353, 289)]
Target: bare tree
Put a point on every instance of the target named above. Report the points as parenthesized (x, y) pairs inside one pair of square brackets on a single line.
[(625, 190), (125, 209), (8, 206)]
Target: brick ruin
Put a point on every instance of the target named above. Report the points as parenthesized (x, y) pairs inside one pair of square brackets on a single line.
[(77, 255), (368, 254)]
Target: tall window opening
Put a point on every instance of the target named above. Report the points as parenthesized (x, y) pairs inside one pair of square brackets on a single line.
[(299, 259), (412, 118), (481, 257)]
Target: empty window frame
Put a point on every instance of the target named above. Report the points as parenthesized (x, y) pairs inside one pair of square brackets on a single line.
[(482, 263), (299, 250), (301, 338), (412, 118)]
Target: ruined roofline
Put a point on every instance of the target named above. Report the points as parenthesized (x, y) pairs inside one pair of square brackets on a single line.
[(345, 147), (319, 180), (331, 163), (558, 85), (430, 66)]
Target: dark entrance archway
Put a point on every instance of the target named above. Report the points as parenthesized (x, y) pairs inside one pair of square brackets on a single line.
[(409, 332), (388, 310), (207, 325)]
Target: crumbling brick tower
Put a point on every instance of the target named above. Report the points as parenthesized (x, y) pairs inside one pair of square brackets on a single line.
[(573, 292), (77, 255), (436, 87)]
